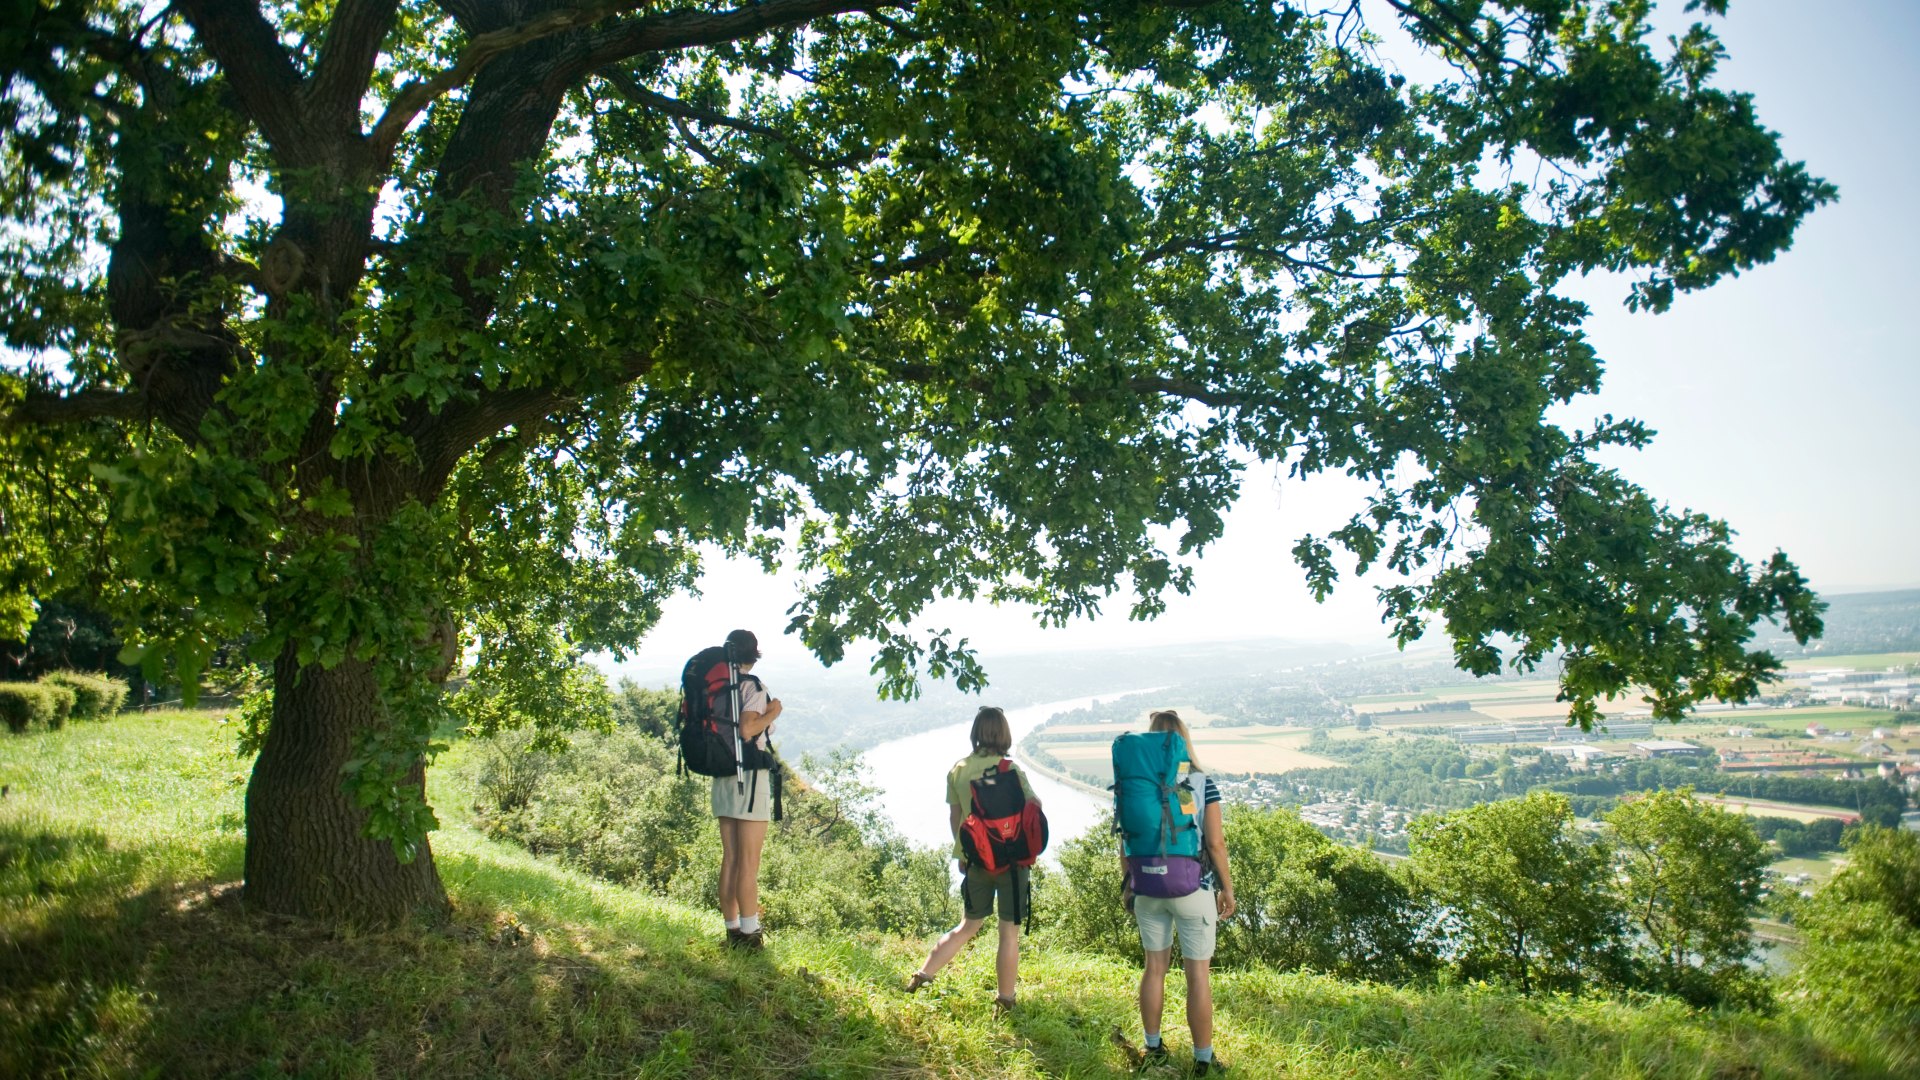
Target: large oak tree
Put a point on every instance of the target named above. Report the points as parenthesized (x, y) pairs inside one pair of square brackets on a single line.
[(380, 334)]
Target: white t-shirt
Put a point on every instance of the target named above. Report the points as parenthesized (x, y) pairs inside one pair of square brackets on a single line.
[(754, 699)]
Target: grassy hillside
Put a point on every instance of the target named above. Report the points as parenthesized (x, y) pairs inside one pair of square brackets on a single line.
[(124, 952)]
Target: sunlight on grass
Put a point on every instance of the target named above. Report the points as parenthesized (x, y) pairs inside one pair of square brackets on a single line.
[(129, 955)]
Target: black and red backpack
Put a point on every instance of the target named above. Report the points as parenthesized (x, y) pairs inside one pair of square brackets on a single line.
[(710, 693), (1003, 829)]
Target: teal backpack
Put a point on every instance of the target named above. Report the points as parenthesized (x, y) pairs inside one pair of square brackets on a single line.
[(1154, 808)]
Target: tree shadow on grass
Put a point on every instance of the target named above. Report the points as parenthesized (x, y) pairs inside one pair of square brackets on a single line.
[(537, 975)]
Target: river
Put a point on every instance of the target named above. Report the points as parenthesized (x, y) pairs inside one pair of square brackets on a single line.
[(911, 774)]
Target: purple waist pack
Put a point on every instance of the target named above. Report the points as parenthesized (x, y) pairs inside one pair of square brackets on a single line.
[(1163, 876)]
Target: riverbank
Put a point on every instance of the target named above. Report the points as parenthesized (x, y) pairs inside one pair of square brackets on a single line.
[(1039, 769), (910, 775)]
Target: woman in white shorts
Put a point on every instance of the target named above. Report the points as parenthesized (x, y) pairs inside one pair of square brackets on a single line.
[(743, 805), (1193, 918)]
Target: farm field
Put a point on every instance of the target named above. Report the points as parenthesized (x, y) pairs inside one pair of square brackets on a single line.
[(1821, 869), (1765, 808), (1255, 748), (1857, 661)]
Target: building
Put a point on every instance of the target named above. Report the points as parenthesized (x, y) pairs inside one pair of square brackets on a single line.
[(1580, 754), (1656, 748), (1816, 730), (1740, 733)]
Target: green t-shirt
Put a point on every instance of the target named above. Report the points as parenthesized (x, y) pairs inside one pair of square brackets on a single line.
[(960, 794)]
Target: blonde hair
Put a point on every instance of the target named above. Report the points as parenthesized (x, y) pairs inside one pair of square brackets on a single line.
[(1168, 720), (991, 734)]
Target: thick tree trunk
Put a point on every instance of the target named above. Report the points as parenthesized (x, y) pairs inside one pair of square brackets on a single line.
[(307, 852)]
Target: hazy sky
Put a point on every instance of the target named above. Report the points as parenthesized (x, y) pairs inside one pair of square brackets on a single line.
[(1784, 400)]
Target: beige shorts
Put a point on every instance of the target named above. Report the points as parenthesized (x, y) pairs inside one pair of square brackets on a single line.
[(755, 803), (1193, 915)]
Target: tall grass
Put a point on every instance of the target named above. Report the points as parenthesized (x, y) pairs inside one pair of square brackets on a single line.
[(124, 951)]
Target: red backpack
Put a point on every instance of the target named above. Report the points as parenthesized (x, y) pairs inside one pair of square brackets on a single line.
[(1004, 829)]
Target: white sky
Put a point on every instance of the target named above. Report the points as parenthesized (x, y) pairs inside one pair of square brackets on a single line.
[(1784, 400)]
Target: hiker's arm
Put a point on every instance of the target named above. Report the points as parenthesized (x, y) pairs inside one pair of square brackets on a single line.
[(1217, 851), (955, 815), (753, 723)]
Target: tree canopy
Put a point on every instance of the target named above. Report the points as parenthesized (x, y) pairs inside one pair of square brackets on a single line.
[(385, 335)]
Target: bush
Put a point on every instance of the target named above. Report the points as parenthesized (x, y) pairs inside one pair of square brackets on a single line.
[(26, 706), (94, 696), (1855, 972), (1311, 904), (1525, 894), (34, 706), (1081, 904), (610, 804)]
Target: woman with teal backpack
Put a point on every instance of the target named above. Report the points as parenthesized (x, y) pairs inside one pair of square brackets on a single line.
[(981, 887), (1169, 891)]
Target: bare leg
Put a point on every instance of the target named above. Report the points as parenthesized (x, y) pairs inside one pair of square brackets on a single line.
[(1153, 989), (1199, 1001), (949, 946), (729, 858), (750, 837), (1007, 961)]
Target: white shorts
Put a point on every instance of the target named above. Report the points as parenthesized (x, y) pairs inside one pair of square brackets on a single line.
[(753, 803), (1193, 915)]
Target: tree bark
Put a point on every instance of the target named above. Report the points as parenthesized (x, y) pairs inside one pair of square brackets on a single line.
[(307, 852)]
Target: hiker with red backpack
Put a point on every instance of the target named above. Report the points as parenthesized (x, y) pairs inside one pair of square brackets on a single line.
[(1174, 873), (726, 717), (998, 832)]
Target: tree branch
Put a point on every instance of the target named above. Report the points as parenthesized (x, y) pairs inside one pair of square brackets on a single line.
[(347, 56), (1185, 389), (1234, 244), (631, 89), (39, 407), (259, 70), (691, 29), (460, 428), (417, 95)]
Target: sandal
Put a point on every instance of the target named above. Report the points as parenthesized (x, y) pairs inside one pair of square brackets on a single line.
[(917, 980)]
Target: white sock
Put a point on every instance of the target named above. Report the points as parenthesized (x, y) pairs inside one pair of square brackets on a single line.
[(749, 924), (733, 923)]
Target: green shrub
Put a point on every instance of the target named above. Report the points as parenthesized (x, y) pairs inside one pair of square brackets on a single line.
[(34, 706), (1305, 903), (63, 699), (1308, 903), (610, 804), (1854, 977), (94, 696), (1080, 906)]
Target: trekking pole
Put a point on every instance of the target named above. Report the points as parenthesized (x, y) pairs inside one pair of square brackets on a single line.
[(733, 699)]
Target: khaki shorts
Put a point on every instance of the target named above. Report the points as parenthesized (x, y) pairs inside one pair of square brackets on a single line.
[(1193, 915), (752, 803), (1010, 887)]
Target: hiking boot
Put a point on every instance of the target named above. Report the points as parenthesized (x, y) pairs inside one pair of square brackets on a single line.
[(1216, 1067), (734, 934), (753, 941), (1153, 1057), (1002, 1005)]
